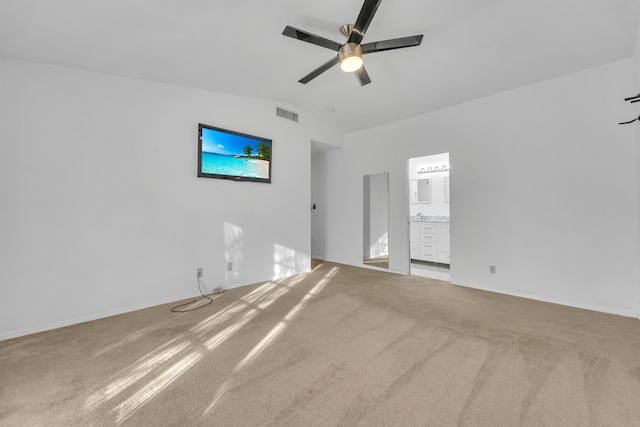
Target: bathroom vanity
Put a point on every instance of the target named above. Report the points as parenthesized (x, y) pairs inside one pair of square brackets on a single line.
[(429, 238)]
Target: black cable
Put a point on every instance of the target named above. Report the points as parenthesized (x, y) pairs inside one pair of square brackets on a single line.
[(191, 302)]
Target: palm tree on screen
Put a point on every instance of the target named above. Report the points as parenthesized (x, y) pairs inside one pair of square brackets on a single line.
[(263, 151)]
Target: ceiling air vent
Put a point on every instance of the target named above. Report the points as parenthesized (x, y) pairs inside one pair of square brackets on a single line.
[(289, 115)]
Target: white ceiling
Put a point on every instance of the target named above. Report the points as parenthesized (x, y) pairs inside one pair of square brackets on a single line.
[(471, 48)]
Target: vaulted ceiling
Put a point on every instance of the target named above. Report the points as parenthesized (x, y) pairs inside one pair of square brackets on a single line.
[(471, 48)]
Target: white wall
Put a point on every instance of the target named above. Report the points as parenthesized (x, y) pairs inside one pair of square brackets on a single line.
[(543, 185), (101, 211)]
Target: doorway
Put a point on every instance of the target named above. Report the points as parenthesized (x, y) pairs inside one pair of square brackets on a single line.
[(429, 216)]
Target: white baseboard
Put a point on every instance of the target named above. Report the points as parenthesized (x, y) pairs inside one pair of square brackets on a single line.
[(102, 315), (89, 318), (593, 307)]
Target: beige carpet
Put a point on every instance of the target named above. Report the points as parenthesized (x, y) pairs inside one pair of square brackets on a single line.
[(340, 346)]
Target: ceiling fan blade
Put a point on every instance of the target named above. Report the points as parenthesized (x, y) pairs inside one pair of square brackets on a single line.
[(321, 69), (362, 76), (391, 44), (364, 19), (310, 38)]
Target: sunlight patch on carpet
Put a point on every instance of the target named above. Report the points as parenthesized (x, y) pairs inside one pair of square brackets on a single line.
[(221, 391), (136, 372), (128, 339), (159, 367), (277, 330), (223, 315), (146, 393), (269, 299), (272, 335)]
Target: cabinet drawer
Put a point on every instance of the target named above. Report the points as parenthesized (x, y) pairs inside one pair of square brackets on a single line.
[(428, 238), (428, 228), (428, 251)]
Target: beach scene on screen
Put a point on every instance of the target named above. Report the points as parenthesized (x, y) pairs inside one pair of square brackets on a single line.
[(235, 155)]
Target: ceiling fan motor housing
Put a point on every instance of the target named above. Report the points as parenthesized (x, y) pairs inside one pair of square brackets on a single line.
[(349, 50), (350, 57)]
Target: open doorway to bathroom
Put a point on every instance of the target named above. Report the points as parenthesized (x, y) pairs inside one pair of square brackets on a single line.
[(429, 220)]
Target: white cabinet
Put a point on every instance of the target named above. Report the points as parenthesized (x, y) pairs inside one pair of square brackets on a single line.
[(414, 240), (444, 256), (429, 241)]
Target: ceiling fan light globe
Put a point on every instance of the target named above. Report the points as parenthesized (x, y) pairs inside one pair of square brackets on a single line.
[(350, 57), (351, 64)]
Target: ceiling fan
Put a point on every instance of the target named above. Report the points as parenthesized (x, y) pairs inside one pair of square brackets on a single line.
[(350, 53)]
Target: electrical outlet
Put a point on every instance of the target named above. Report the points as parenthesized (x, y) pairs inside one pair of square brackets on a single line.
[(492, 269), (199, 272), (229, 266)]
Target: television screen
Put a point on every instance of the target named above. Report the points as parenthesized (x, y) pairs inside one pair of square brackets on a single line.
[(232, 155)]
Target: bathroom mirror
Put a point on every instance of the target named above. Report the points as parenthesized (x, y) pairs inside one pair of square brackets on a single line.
[(376, 220), (421, 191)]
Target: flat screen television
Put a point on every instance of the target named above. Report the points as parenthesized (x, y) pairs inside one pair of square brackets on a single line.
[(233, 155)]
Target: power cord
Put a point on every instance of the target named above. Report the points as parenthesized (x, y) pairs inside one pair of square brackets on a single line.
[(175, 309)]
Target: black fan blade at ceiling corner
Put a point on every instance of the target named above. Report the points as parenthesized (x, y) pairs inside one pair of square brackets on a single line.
[(391, 44), (364, 19), (321, 69), (362, 76), (310, 38)]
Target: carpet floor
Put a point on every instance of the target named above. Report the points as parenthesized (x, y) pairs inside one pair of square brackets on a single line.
[(339, 346)]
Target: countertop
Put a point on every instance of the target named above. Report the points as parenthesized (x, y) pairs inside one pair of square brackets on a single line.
[(423, 218)]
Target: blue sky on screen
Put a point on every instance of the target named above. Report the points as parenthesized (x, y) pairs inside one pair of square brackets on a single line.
[(214, 141)]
